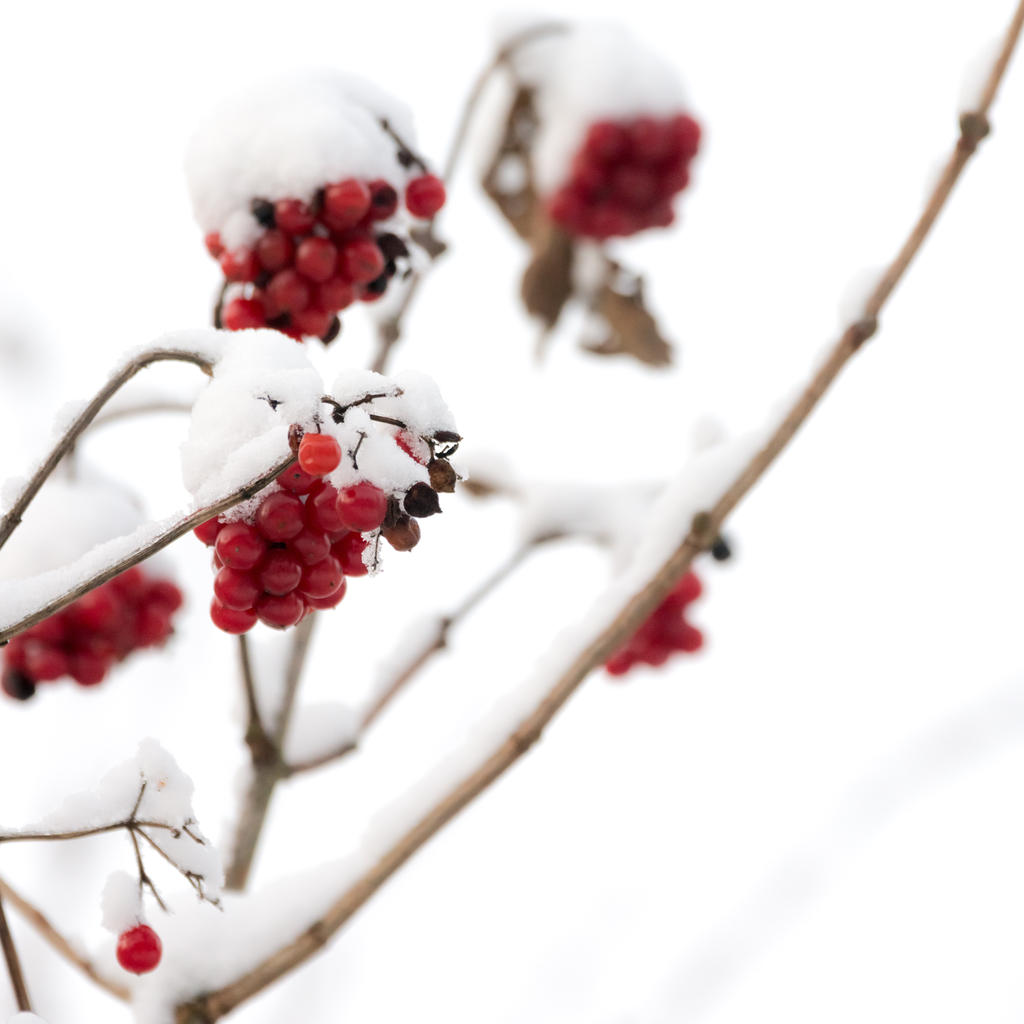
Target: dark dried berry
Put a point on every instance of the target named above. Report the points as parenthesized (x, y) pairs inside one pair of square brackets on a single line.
[(394, 512), (263, 211), (442, 475), (332, 332), (447, 436), (295, 435), (392, 246), (378, 285), (421, 501), (17, 685), (720, 550), (404, 535)]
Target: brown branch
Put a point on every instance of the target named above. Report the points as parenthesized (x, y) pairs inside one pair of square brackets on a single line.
[(256, 738), (150, 408), (140, 554), (14, 514), (114, 826), (268, 767), (634, 612), (53, 938), (13, 963)]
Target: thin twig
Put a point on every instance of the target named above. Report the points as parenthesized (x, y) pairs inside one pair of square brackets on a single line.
[(39, 921), (268, 767), (389, 330), (141, 553), (256, 737), (14, 514), (150, 408), (114, 826), (635, 611), (13, 963)]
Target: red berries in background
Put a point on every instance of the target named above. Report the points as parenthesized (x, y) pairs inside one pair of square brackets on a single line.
[(90, 635), (314, 259), (139, 949), (625, 175), (664, 633)]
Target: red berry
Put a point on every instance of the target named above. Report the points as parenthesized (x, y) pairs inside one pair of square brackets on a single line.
[(323, 603), (322, 579), (207, 532), (280, 612), (240, 265), (383, 200), (424, 195), (43, 662), (293, 216), (345, 204), (635, 186), (362, 260), (165, 594), (362, 506), (685, 134), (316, 258), (236, 589), (312, 322), (214, 246), (335, 294), (139, 949), (287, 292), (240, 546), (296, 479), (322, 508), (242, 314), (232, 620), (88, 668), (96, 611), (606, 142), (310, 546), (280, 516), (651, 141), (319, 454), (349, 553), (281, 573), (153, 626), (274, 250)]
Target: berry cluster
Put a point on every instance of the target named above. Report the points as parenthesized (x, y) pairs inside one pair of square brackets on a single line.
[(307, 537), (139, 949), (87, 637), (314, 259), (625, 175), (663, 633)]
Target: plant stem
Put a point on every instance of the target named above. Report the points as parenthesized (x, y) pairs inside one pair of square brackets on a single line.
[(13, 963)]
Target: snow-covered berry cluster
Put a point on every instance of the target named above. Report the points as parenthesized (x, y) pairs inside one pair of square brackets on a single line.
[(625, 175), (85, 639), (307, 190), (371, 457), (664, 633), (315, 259)]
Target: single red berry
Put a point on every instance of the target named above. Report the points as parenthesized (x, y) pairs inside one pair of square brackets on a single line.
[(685, 134), (281, 572), (349, 553), (383, 200), (280, 516), (153, 625), (674, 179), (287, 292), (345, 204), (296, 479), (362, 260), (214, 246), (43, 662), (243, 314), (236, 589), (293, 216), (316, 258), (635, 186), (274, 250), (88, 668), (139, 949), (239, 265), (334, 294), (321, 579), (362, 506), (165, 594), (96, 611), (240, 545), (310, 546), (280, 612), (232, 620), (330, 601), (322, 508), (319, 454), (651, 140), (312, 323), (424, 196), (207, 532)]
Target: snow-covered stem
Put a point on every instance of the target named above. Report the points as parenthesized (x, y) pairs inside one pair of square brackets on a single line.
[(268, 767), (144, 551), (57, 942), (67, 440), (635, 610), (13, 963)]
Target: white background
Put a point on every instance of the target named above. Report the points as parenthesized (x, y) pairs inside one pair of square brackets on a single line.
[(817, 818)]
